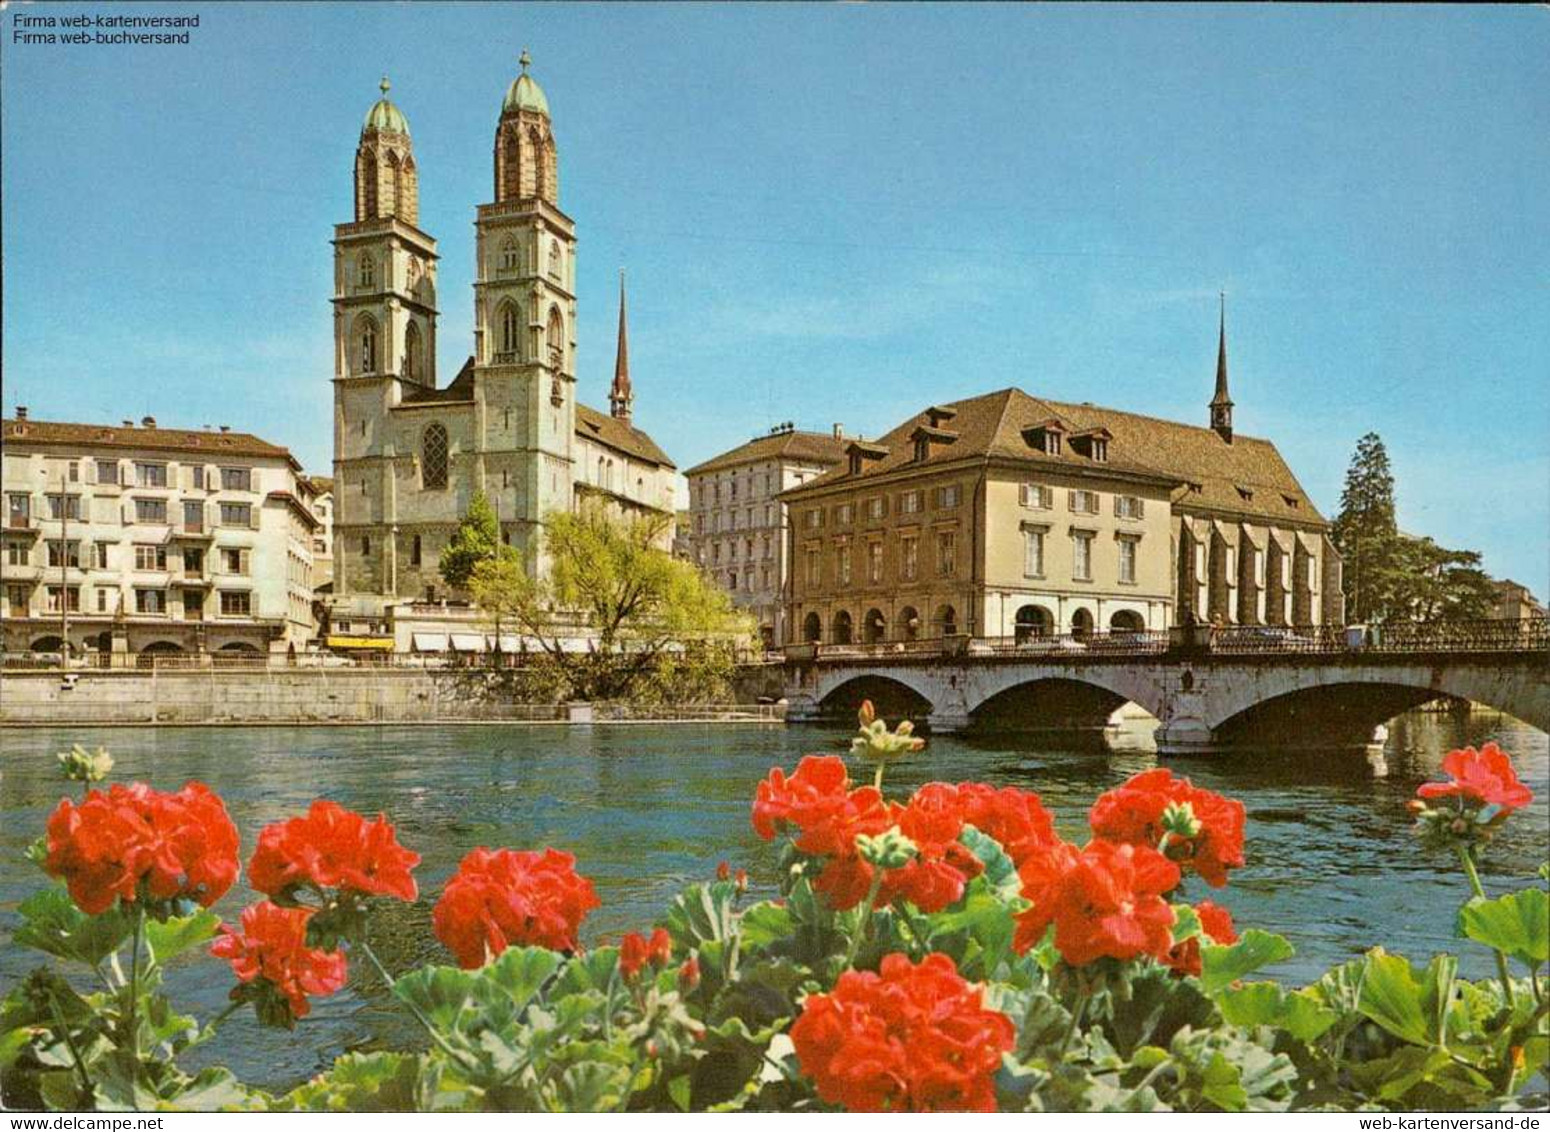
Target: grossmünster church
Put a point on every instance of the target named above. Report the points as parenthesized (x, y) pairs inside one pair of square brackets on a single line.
[(410, 450)]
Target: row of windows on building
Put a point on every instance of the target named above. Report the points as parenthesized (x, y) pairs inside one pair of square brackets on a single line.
[(146, 601), (148, 557), (1035, 548), (767, 550), (1037, 497), (709, 494), (766, 579), (734, 520), (148, 474), (145, 511)]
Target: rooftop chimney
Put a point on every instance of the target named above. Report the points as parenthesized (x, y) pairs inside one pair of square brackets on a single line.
[(839, 431), (21, 412), (148, 422), (129, 424), (226, 428)]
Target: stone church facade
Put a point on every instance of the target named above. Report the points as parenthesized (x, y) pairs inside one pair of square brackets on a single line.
[(409, 452)]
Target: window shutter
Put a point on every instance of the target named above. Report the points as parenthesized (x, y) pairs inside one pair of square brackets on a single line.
[(245, 566), (1022, 494), (1140, 508), (1071, 502)]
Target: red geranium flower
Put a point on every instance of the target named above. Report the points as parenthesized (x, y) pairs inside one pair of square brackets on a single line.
[(635, 951), (936, 878), (180, 846), (818, 802), (1216, 924), (1016, 818), (512, 897), (1106, 900), (1485, 775), (332, 847), (272, 947), (1133, 815), (908, 1039)]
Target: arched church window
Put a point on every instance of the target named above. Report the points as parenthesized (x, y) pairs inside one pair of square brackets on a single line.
[(412, 353), (367, 337), (555, 262), (367, 270), (556, 338), (390, 197), (510, 330), (433, 456), (508, 261)]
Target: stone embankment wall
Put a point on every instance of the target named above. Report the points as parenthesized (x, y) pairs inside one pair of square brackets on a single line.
[(280, 695)]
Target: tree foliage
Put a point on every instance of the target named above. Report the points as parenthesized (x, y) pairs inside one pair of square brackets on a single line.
[(655, 623), (477, 539), (1392, 576)]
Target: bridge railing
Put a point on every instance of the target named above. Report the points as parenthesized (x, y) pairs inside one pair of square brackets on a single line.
[(1490, 635), (1122, 642)]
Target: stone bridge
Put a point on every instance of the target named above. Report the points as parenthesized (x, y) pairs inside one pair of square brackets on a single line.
[(1208, 690)]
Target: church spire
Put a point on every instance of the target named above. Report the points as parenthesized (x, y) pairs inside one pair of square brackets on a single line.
[(1221, 403), (621, 397)]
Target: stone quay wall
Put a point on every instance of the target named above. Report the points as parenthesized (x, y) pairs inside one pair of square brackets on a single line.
[(304, 695)]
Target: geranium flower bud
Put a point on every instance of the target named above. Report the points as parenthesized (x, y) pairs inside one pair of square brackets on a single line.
[(867, 713), (1179, 818), (689, 973), (1416, 806), (1459, 825), (741, 880), (723, 871), (81, 765), (888, 850)]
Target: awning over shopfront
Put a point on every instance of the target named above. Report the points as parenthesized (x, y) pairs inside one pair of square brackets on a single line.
[(429, 642), (468, 642), (507, 644), (381, 644)]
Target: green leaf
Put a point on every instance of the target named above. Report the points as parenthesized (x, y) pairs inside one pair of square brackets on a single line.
[(1517, 924), (441, 994), (1222, 1085), (1267, 1004), (1223, 966), (1392, 998), (53, 924), (1000, 873), (681, 1090), (977, 932), (593, 1086), (360, 1082), (214, 1090), (701, 913), (179, 933), (518, 974), (766, 923)]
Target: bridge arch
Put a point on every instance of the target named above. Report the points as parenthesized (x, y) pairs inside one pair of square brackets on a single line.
[(1062, 696), (896, 694), (1342, 704)]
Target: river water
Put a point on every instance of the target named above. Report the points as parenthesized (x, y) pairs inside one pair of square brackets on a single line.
[(1332, 862)]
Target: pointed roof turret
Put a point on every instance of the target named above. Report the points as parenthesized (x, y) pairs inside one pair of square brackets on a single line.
[(524, 93), (621, 397), (1221, 402)]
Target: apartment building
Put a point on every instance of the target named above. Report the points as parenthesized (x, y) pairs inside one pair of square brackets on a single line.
[(737, 524), (133, 540)]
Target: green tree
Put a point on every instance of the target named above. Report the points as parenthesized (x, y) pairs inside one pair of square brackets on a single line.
[(1366, 533), (660, 629), (1391, 576), (477, 539)]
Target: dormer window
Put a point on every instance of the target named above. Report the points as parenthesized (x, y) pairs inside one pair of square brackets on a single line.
[(859, 452), (1245, 494), (1046, 436), (1092, 443), (1291, 501), (922, 448)]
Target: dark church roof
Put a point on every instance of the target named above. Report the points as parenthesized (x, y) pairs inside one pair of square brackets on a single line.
[(1246, 476), (621, 437)]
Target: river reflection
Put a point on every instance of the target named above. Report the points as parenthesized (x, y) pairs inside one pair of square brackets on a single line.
[(1332, 863)]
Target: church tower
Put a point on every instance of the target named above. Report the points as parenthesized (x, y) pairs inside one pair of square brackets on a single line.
[(1221, 403), (524, 321), (384, 335)]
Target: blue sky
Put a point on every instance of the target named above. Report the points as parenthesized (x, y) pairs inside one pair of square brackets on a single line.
[(840, 213)]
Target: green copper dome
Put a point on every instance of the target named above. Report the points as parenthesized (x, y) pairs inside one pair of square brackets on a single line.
[(383, 115), (525, 93)]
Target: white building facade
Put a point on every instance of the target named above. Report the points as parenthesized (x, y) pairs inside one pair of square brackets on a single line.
[(136, 540)]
